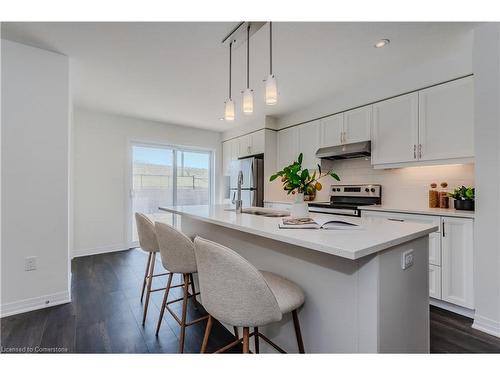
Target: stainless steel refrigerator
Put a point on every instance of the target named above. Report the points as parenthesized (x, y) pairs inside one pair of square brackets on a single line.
[(252, 190)]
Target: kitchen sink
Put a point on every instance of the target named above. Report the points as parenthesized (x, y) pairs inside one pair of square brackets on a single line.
[(260, 211)]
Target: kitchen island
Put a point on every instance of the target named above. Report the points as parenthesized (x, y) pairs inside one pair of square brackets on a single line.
[(358, 296)]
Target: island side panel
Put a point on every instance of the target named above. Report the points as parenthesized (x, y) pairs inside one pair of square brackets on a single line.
[(404, 299), (329, 317)]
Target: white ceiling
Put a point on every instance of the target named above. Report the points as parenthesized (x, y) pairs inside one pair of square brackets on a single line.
[(177, 72)]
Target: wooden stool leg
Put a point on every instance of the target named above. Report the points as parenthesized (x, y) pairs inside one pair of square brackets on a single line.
[(184, 312), (165, 297), (296, 324), (246, 342), (207, 334), (193, 290), (236, 334), (146, 276), (150, 283), (256, 338)]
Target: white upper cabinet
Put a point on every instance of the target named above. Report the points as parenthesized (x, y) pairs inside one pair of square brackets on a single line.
[(309, 142), (446, 118), (332, 130), (431, 126), (395, 130), (457, 264), (357, 125), (251, 144), (258, 142), (287, 146), (245, 145)]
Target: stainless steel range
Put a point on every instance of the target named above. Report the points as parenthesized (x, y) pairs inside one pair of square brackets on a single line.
[(345, 199)]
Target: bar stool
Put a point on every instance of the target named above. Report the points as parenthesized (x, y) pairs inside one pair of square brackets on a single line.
[(148, 243), (177, 255), (234, 292)]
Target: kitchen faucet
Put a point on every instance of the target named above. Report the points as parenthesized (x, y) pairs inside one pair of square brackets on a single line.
[(238, 202)]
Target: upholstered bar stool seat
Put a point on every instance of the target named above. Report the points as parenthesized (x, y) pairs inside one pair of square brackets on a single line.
[(288, 294), (177, 255), (234, 292), (149, 243)]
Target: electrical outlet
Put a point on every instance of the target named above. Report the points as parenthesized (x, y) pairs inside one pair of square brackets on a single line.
[(30, 263), (407, 259)]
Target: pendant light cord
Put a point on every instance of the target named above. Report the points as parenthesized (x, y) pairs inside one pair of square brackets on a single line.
[(248, 56), (270, 47), (230, 63)]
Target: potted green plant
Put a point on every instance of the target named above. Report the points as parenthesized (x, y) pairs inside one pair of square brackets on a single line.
[(297, 181), (464, 198)]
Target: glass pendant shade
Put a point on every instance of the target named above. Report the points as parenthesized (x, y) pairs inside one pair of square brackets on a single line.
[(248, 101), (229, 110), (271, 90)]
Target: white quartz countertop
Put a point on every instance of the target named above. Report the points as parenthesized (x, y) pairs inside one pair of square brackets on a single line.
[(375, 234), (420, 211)]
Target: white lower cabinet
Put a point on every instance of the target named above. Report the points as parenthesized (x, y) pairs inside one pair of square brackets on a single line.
[(457, 261), (450, 255), (435, 249), (434, 281)]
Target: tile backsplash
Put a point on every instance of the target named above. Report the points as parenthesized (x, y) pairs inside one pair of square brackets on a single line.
[(402, 187)]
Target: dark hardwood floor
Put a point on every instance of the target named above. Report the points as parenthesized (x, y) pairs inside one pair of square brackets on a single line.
[(106, 312)]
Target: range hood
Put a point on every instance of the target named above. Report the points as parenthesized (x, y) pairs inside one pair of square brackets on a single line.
[(347, 151)]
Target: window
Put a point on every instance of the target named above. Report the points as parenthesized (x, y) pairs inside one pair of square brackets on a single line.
[(165, 175)]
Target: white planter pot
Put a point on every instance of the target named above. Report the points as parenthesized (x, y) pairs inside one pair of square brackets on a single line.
[(300, 208)]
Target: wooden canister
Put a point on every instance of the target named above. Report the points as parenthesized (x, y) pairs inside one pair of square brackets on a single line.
[(433, 196), (444, 201)]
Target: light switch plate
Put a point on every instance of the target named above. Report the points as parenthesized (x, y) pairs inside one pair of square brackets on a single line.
[(407, 259)]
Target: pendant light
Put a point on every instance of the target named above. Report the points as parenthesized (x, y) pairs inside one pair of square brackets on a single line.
[(271, 84), (229, 104), (248, 93)]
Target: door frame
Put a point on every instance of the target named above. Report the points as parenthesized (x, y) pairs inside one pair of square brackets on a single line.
[(131, 142)]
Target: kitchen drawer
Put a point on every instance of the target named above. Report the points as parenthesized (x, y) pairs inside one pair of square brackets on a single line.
[(396, 216), (434, 281)]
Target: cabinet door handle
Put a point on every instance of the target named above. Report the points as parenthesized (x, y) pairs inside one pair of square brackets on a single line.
[(420, 151), (414, 151), (444, 235)]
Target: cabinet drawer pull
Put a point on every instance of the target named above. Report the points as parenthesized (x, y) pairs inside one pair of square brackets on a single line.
[(393, 219)]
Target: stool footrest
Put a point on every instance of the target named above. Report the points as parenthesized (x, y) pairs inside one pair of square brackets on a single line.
[(174, 315), (238, 341), (231, 344)]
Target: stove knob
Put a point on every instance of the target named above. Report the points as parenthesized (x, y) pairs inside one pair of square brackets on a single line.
[(367, 190), (338, 189), (372, 190)]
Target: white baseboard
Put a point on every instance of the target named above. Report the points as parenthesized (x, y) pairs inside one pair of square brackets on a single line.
[(453, 308), (36, 303), (487, 325), (98, 250)]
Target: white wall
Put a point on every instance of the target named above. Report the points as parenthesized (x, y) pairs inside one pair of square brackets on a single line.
[(381, 87), (402, 187), (487, 150), (35, 193), (100, 162)]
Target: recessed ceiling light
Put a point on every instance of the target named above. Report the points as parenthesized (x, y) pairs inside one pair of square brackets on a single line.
[(382, 43)]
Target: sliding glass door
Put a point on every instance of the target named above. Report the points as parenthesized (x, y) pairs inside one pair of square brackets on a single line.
[(166, 175)]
